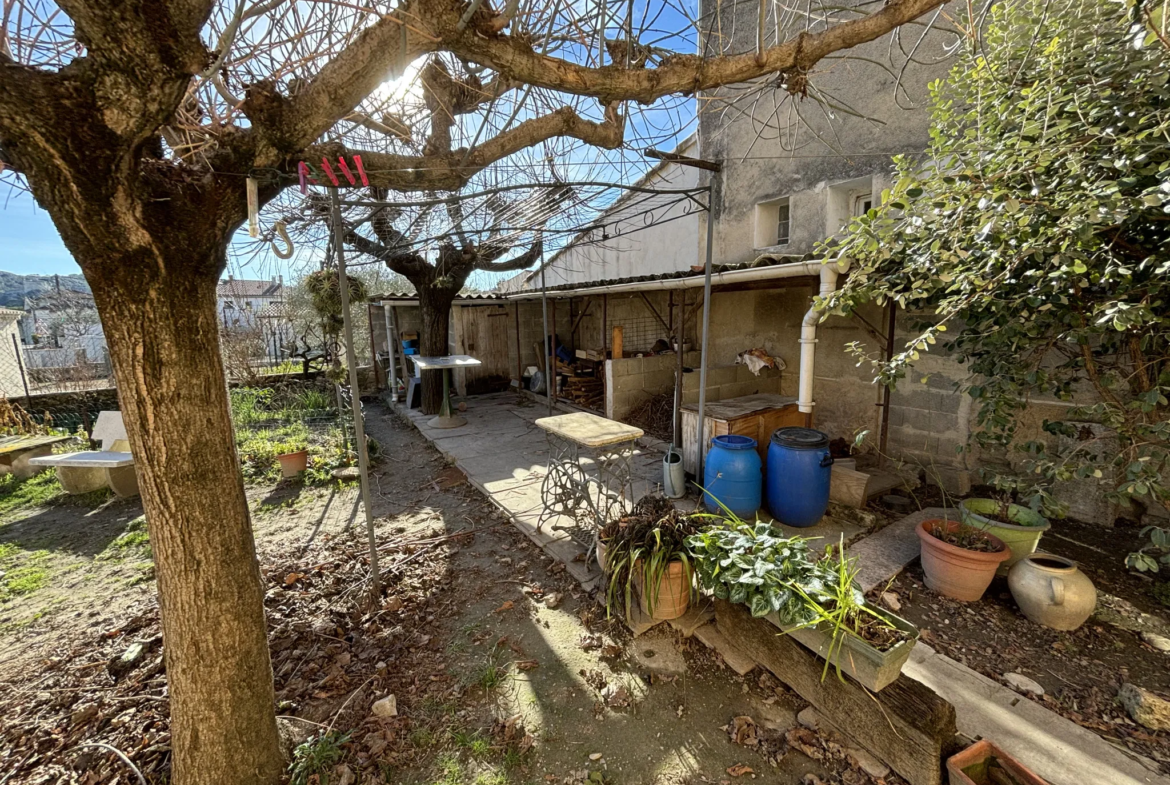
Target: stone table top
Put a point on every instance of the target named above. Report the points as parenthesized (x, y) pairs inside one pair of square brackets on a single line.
[(589, 430), (87, 460), (11, 444), (447, 361)]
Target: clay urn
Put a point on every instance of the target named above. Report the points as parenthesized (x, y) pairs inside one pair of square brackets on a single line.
[(1051, 591)]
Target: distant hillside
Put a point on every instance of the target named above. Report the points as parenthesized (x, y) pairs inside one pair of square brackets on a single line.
[(14, 288)]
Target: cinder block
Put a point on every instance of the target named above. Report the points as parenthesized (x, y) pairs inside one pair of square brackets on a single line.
[(658, 381), (627, 366), (918, 419), (944, 423)]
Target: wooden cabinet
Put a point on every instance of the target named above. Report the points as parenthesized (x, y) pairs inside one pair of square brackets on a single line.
[(755, 416)]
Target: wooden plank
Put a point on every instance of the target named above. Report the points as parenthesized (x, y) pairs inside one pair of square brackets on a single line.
[(907, 725), (738, 407), (617, 342)]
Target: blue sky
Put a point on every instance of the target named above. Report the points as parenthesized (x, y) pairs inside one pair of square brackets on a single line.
[(30, 242)]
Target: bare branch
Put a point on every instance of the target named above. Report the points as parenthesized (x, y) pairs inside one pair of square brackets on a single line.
[(515, 59)]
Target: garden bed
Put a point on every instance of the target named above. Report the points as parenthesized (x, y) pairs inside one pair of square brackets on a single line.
[(1081, 671)]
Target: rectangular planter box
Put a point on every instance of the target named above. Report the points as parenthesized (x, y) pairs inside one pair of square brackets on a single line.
[(873, 669), (970, 767)]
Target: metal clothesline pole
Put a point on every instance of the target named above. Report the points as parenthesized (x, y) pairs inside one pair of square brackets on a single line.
[(359, 425), (544, 343), (713, 188)]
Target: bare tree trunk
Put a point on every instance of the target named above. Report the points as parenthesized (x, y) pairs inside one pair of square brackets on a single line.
[(435, 305), (163, 338)]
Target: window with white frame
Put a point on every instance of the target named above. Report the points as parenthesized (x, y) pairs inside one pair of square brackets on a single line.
[(773, 223), (862, 203)]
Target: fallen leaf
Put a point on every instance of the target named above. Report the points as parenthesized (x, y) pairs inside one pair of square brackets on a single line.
[(527, 665), (738, 770), (292, 578), (507, 606)]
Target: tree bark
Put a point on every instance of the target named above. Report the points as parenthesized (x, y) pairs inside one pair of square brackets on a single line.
[(160, 324), (435, 305)]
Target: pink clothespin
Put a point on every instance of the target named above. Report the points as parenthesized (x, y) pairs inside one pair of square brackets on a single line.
[(345, 170), (303, 175), (357, 161), (329, 171)]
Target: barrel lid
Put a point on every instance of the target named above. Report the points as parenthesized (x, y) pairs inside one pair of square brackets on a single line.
[(800, 438), (732, 441)]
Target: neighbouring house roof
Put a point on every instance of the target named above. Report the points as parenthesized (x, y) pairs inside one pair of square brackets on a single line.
[(12, 313), (244, 287), (274, 311)]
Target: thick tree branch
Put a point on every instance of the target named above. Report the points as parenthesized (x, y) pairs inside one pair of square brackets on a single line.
[(407, 263), (451, 171), (288, 125), (521, 262), (515, 59), (144, 37)]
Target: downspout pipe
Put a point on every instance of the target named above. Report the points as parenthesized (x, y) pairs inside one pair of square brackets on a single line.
[(829, 273)]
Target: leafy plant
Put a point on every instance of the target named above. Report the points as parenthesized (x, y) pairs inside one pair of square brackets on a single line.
[(1148, 558), (641, 548), (752, 565), (317, 757), (838, 607), (1033, 237)]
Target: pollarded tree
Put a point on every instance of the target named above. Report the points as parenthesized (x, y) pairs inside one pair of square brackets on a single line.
[(1038, 235), (134, 125), (475, 235)]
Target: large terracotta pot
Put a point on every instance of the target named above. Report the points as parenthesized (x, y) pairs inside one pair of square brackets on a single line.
[(956, 572), (1051, 591), (293, 463), (672, 596)]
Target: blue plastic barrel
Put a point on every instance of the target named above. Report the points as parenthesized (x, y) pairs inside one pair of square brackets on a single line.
[(799, 469), (733, 476)]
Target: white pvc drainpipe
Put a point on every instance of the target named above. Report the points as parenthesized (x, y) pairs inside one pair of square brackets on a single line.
[(808, 335)]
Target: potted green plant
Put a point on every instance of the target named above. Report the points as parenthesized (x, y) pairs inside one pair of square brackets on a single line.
[(959, 560), (1019, 527), (646, 556), (813, 601)]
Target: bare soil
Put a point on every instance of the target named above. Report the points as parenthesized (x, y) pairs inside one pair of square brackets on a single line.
[(502, 669)]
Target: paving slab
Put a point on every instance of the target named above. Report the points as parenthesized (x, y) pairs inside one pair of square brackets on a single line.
[(1056, 749), (656, 651), (883, 555)]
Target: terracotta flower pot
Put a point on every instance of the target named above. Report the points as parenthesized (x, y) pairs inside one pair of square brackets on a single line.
[(976, 765), (672, 596), (956, 572), (293, 463)]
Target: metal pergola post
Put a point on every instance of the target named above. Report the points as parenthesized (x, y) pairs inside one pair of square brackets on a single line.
[(359, 425), (544, 343), (391, 354)]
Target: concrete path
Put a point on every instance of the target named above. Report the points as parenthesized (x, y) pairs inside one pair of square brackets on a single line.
[(505, 455)]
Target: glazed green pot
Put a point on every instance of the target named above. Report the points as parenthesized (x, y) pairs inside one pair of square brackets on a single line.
[(1021, 536)]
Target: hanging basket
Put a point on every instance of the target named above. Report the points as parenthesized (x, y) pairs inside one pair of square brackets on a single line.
[(326, 293)]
